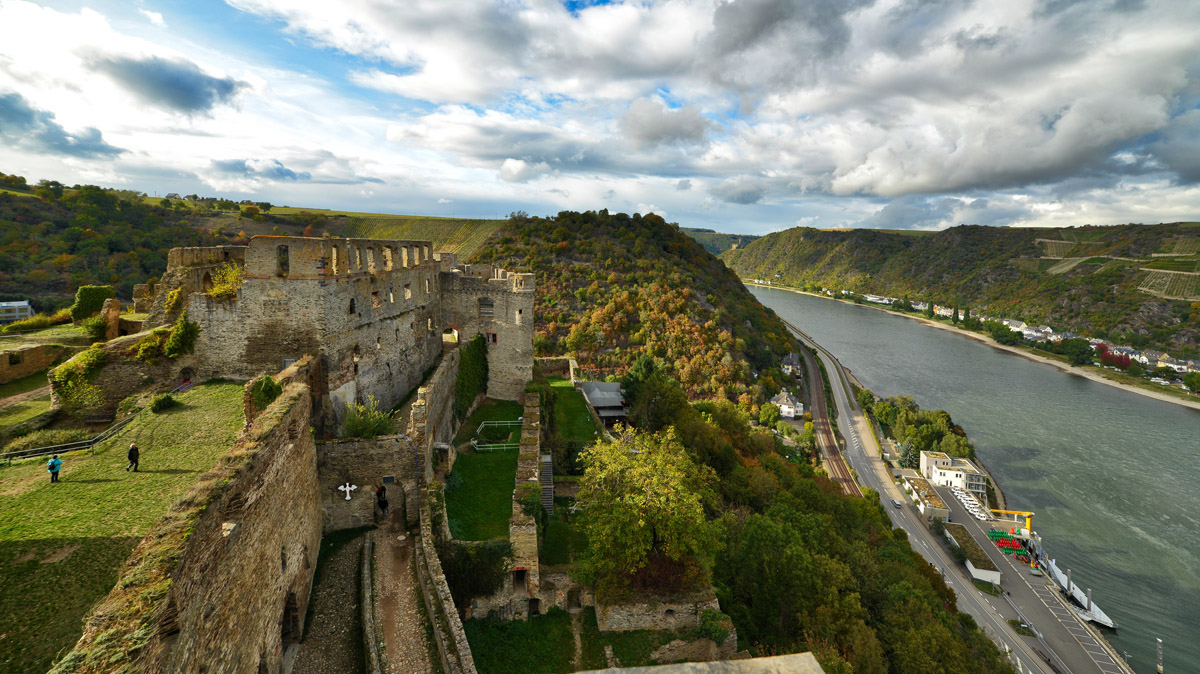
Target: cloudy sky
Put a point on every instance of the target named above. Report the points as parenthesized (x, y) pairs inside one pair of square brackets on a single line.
[(743, 116)]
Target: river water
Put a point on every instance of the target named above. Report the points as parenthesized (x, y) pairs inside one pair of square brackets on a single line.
[(1113, 477)]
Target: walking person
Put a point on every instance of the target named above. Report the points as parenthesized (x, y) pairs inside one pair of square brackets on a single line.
[(381, 500), (133, 458), (54, 465)]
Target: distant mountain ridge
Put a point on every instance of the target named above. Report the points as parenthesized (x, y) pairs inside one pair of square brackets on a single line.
[(1139, 284), (716, 242)]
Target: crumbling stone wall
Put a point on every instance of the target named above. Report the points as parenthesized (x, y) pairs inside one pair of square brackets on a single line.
[(431, 419), (448, 631), (484, 300), (143, 298), (122, 376), (652, 613), (365, 463), (369, 307), (222, 583), (192, 270), (23, 361)]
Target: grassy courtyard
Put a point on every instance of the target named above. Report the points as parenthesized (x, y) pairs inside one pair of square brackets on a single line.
[(61, 545), (479, 509), (20, 412), (571, 413)]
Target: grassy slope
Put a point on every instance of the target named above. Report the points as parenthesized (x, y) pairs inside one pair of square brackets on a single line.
[(91, 520), (481, 508), (574, 420), (451, 235), (490, 410), (994, 269)]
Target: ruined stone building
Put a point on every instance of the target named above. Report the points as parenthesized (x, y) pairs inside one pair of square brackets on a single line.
[(373, 310)]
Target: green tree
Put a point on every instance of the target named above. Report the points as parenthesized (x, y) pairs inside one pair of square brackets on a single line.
[(1192, 381), (644, 503), (1077, 350), (929, 310), (866, 399), (1136, 369), (768, 415), (954, 315)]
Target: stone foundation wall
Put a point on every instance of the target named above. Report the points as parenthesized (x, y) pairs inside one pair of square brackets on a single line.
[(365, 463), (23, 361), (222, 582), (122, 376), (675, 613), (448, 631), (560, 590), (431, 419), (697, 650)]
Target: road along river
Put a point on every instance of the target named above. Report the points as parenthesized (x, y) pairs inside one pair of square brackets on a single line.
[(1112, 475)]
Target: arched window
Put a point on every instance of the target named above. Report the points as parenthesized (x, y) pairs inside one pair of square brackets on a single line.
[(486, 307), (352, 305)]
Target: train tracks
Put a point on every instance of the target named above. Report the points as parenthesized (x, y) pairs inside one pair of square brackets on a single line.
[(831, 453)]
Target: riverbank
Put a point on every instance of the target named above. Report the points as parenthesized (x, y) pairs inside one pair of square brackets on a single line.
[(1024, 352)]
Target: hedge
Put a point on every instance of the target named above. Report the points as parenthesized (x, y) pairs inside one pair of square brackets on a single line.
[(89, 300), (472, 376)]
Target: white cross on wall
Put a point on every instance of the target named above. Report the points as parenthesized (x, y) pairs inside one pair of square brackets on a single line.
[(348, 488)]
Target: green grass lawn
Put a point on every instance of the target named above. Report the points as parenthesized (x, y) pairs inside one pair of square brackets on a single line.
[(18, 413), (541, 645), (56, 334), (61, 545), (571, 412), (556, 549), (24, 385), (481, 508), (490, 410)]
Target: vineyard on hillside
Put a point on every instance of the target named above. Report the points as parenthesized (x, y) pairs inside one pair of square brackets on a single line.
[(462, 237), (1172, 285)]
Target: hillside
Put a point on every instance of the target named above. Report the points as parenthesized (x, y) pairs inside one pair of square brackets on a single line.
[(612, 286), (716, 242), (1136, 284)]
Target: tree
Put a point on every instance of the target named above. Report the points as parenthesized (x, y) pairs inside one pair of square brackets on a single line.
[(644, 501), (1077, 350), (264, 206), (866, 399), (929, 310), (1136, 369), (768, 415), (954, 315), (1192, 381)]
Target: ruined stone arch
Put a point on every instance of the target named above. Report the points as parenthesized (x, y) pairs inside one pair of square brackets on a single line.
[(206, 283)]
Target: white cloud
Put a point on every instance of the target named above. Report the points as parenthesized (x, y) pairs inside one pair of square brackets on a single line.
[(520, 171), (155, 18)]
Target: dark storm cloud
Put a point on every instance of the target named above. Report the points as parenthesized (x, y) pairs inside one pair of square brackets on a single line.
[(649, 122), (740, 190), (177, 85), (25, 126)]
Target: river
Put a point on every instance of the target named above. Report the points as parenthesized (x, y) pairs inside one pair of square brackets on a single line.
[(1113, 477)]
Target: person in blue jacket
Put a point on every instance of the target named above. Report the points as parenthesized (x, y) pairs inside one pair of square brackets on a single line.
[(54, 465)]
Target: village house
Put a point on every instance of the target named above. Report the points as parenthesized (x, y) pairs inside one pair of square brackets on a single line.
[(14, 311), (789, 406), (791, 363), (951, 471)]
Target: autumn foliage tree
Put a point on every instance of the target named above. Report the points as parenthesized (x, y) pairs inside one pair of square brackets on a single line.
[(644, 500)]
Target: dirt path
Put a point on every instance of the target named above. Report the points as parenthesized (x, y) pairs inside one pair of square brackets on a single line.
[(406, 650), (577, 632), (333, 640), (28, 395)]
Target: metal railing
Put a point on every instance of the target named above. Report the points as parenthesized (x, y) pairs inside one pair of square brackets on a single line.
[(495, 446), (81, 445)]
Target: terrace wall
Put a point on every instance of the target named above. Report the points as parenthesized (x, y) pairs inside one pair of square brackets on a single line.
[(674, 613), (365, 464), (23, 361)]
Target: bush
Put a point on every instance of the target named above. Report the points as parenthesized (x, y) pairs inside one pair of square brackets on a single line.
[(47, 438), (264, 391), (162, 402), (454, 482), (472, 375), (173, 302), (713, 625), (183, 337), (83, 366), (151, 346), (34, 322), (89, 300), (226, 281), (96, 328), (474, 570), (366, 421)]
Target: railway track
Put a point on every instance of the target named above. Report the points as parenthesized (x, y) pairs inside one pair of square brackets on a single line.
[(831, 453)]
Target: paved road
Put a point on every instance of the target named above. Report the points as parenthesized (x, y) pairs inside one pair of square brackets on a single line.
[(1062, 646)]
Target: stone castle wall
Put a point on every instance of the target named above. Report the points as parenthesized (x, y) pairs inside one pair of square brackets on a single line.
[(448, 630), (675, 613), (367, 464), (192, 270), (231, 595), (23, 361), (507, 320), (431, 419)]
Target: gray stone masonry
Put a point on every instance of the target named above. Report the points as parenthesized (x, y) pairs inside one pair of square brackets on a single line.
[(447, 626), (674, 613), (365, 463)]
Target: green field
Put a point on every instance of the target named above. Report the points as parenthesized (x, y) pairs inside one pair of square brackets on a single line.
[(481, 507), (61, 545), (571, 413)]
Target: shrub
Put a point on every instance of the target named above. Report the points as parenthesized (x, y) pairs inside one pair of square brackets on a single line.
[(366, 421), (47, 438), (34, 322), (162, 402), (78, 395), (89, 300), (474, 570), (174, 301), (151, 346), (713, 625), (96, 328), (472, 375), (183, 337), (226, 281), (264, 391), (83, 366), (454, 482)]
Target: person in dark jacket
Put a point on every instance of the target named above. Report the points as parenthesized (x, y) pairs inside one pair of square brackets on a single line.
[(133, 458), (54, 465), (381, 499)]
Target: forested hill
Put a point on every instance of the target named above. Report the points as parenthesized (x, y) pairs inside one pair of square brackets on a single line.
[(50, 246), (1136, 284), (716, 242), (612, 286)]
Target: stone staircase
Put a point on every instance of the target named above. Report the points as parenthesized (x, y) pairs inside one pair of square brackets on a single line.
[(546, 477)]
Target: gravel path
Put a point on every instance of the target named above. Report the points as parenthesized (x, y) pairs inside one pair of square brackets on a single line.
[(399, 612), (333, 644)]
